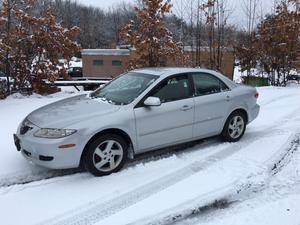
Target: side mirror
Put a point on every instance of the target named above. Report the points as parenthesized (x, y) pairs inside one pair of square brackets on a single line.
[(152, 101)]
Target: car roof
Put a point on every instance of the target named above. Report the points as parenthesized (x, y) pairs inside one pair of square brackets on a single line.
[(166, 71)]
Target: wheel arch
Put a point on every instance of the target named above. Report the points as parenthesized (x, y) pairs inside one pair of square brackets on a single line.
[(239, 109), (117, 131), (225, 132)]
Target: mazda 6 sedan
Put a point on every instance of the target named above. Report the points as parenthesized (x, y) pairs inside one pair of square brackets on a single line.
[(139, 111)]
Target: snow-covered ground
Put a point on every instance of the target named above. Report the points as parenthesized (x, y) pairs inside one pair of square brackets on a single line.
[(255, 181)]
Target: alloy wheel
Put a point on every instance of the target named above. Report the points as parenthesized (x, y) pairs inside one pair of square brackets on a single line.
[(108, 155), (236, 126)]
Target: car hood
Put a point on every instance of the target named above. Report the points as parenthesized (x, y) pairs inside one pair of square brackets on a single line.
[(63, 113)]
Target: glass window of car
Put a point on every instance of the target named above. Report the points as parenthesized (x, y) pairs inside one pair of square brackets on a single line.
[(124, 89), (172, 89), (206, 84)]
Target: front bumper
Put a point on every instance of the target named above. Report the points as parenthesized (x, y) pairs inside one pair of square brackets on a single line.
[(46, 152)]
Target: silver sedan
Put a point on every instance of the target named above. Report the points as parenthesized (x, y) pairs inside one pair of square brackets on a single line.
[(142, 110)]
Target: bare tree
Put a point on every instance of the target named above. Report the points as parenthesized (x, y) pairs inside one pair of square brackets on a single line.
[(118, 16), (216, 16), (204, 24), (250, 8)]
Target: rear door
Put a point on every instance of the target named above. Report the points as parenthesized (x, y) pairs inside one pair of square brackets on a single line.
[(212, 102), (172, 121)]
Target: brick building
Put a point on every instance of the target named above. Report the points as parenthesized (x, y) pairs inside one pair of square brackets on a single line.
[(107, 63)]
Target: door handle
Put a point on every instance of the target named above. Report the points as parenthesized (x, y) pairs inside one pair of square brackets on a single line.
[(228, 98), (186, 107)]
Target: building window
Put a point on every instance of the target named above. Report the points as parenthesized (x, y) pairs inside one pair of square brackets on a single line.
[(97, 62), (116, 63)]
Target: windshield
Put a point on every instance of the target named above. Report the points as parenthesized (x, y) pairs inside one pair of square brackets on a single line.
[(124, 89)]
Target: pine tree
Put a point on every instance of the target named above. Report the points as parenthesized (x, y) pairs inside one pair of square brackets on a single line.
[(152, 41)]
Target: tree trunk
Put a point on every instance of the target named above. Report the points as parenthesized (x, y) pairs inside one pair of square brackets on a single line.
[(7, 63)]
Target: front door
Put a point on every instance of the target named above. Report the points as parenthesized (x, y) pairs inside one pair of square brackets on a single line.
[(172, 121)]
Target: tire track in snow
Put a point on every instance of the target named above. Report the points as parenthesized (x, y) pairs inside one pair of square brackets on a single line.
[(225, 196), (98, 210), (21, 179), (26, 178)]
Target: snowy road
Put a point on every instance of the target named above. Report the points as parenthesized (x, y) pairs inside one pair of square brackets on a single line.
[(175, 188)]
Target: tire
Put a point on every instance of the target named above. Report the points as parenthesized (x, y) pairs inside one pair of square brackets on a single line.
[(234, 127), (106, 154)]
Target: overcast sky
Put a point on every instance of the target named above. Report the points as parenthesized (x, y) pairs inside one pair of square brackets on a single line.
[(237, 15)]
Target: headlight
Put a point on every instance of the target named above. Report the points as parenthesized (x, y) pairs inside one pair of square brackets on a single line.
[(53, 133)]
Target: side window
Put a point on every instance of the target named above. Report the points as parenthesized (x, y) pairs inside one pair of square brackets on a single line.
[(206, 84), (175, 88)]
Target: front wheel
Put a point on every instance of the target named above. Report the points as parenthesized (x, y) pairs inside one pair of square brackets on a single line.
[(106, 154), (235, 127)]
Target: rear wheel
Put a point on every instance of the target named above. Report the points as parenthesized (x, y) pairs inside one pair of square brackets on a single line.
[(235, 127), (106, 154)]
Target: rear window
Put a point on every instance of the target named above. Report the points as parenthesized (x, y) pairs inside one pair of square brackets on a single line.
[(206, 84)]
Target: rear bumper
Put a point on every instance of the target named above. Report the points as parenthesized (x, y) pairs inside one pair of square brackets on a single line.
[(253, 113)]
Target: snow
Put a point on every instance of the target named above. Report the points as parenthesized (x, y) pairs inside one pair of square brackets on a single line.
[(105, 52), (159, 189), (78, 82), (12, 111), (237, 75), (277, 204), (75, 62)]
